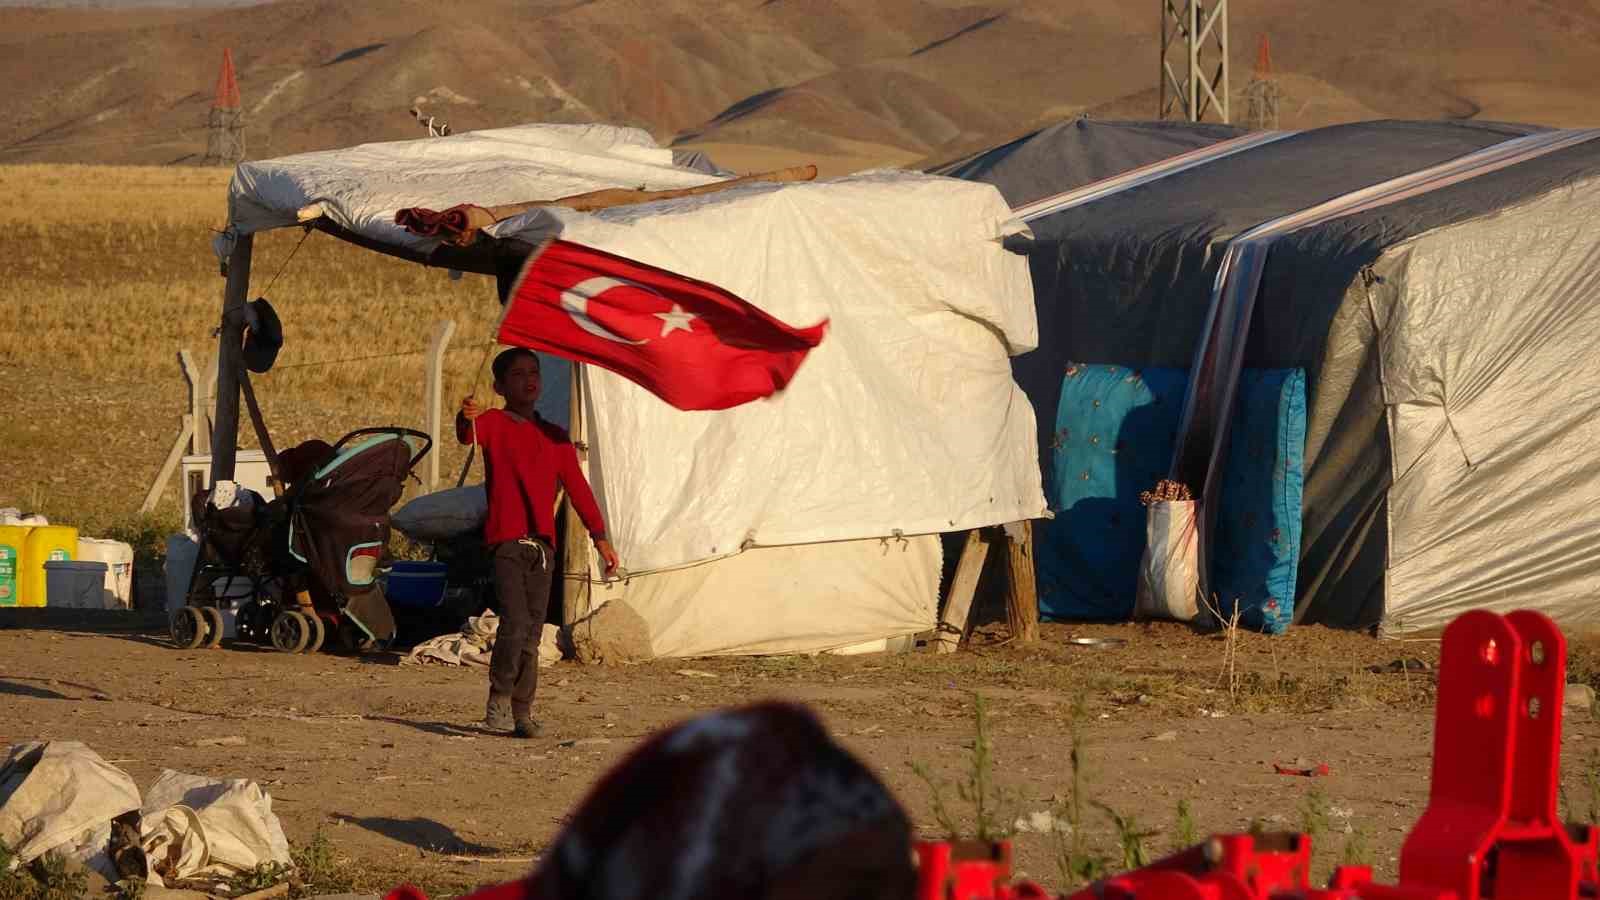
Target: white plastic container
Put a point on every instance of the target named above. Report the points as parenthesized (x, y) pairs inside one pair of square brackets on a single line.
[(74, 584), (118, 558)]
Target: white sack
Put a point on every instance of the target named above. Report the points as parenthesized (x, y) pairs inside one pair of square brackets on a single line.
[(219, 827), (1169, 573), (445, 514), (61, 796)]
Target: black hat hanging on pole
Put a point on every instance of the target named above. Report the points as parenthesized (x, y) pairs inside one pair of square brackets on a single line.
[(263, 337)]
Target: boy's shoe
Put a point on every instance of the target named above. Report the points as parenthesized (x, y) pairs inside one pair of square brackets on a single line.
[(498, 717), (527, 728)]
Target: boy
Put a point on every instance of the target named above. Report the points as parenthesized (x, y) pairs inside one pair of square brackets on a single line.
[(523, 457)]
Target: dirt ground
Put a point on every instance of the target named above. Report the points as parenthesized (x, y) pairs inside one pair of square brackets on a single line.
[(387, 759)]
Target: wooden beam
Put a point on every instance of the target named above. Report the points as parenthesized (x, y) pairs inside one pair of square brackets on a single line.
[(963, 587), (174, 456), (230, 349), (1022, 591), (576, 599)]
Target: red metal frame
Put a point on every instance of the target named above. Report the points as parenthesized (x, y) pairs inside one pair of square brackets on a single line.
[(1490, 830)]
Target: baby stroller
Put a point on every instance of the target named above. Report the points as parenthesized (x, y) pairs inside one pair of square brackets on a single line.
[(307, 563)]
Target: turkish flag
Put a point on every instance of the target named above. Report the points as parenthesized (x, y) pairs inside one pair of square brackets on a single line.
[(692, 344)]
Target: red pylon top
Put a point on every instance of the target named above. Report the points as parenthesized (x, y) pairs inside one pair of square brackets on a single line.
[(227, 85), (1264, 58)]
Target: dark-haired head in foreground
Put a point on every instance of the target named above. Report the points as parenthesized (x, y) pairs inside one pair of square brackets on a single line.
[(755, 803)]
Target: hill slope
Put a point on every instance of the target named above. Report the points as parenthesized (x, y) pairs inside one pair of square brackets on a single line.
[(856, 80)]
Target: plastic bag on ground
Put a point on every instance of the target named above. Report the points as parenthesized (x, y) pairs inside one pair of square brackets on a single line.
[(1169, 573), (61, 796), (196, 826), (442, 515)]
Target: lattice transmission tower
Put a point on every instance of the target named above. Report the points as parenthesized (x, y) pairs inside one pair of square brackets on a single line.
[(1194, 41), (225, 123), (1263, 94)]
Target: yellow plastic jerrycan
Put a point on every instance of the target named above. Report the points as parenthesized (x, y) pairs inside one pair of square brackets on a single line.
[(12, 540), (46, 543)]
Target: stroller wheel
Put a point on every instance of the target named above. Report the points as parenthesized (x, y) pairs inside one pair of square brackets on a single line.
[(188, 628), (290, 632), (319, 633), (214, 626)]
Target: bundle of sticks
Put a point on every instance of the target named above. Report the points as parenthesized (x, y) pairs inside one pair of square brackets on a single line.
[(1166, 491), (461, 223)]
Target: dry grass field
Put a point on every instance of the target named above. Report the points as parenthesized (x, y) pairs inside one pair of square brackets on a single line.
[(109, 272)]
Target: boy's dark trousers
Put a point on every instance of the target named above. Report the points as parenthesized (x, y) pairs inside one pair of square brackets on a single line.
[(522, 572)]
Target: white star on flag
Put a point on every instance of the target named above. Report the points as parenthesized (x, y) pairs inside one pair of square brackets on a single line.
[(676, 320)]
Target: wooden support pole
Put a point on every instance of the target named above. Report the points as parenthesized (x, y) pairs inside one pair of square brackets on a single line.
[(174, 456), (230, 349), (963, 587), (575, 593), (433, 394), (1022, 592)]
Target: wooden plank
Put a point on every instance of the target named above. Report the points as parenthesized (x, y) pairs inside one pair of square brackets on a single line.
[(174, 456), (963, 587), (1022, 592), (230, 350), (576, 599)]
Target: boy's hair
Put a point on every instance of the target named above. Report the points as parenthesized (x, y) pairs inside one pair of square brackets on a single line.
[(502, 363)]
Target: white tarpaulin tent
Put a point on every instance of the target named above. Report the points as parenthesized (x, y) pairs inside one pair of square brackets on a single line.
[(808, 521)]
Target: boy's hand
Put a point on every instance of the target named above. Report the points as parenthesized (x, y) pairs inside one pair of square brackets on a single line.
[(470, 409), (609, 554)]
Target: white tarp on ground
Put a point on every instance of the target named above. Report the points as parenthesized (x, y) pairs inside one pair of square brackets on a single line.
[(1487, 332), (904, 421), (473, 645)]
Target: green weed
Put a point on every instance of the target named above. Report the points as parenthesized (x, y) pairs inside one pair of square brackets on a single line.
[(1075, 861), (1187, 835), (978, 788), (1357, 852), (1129, 838), (317, 868)]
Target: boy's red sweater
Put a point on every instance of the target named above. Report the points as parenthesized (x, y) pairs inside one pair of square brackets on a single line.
[(525, 459)]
